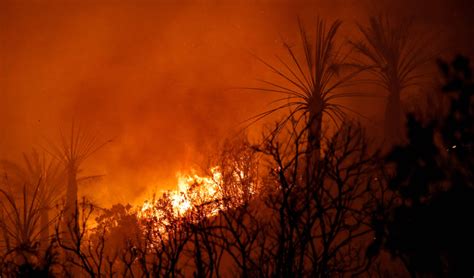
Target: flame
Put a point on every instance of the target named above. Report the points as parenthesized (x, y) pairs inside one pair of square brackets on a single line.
[(194, 192)]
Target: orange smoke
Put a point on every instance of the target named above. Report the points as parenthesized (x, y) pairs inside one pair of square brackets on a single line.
[(154, 75)]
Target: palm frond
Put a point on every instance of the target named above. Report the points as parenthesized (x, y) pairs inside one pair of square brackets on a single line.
[(393, 51), (315, 77)]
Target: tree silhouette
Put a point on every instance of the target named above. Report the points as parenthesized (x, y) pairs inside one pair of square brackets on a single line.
[(318, 223), (81, 254), (238, 229), (430, 230), (44, 174), (120, 226), (311, 84), (21, 229), (20, 220), (167, 239), (72, 150), (393, 54)]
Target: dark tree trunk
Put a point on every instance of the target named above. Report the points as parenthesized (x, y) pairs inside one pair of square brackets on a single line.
[(44, 226), (393, 123), (70, 216), (314, 133)]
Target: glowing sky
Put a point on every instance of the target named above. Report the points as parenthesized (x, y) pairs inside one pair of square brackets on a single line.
[(156, 76)]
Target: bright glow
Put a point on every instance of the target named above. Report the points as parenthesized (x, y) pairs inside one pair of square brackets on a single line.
[(197, 196)]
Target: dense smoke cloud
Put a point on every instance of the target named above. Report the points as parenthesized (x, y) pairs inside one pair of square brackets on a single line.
[(156, 77)]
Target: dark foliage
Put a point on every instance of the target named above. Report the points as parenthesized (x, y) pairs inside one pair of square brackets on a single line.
[(319, 215), (430, 229)]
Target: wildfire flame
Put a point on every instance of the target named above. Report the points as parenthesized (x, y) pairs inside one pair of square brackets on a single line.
[(193, 191)]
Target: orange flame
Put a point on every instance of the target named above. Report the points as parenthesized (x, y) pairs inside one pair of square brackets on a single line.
[(194, 191)]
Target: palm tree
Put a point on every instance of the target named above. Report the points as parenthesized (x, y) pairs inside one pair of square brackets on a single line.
[(313, 83), (393, 54), (41, 175), (19, 220), (72, 151)]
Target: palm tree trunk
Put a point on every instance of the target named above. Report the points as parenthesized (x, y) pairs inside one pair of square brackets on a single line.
[(44, 225), (393, 117), (70, 216), (314, 134)]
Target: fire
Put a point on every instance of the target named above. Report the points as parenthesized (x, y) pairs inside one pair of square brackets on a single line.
[(205, 195), (196, 190)]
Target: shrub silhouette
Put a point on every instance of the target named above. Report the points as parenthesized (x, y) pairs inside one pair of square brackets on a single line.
[(431, 230), (45, 175), (319, 218)]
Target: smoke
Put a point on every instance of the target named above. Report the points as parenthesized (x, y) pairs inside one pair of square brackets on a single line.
[(156, 77)]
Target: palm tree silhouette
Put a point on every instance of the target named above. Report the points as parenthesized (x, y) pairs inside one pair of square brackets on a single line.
[(313, 83), (45, 178), (393, 55), (72, 151)]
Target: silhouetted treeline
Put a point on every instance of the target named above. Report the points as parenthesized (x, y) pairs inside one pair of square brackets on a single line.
[(430, 226), (302, 202)]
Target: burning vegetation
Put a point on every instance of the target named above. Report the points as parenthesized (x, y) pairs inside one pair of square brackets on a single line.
[(320, 194), (196, 191)]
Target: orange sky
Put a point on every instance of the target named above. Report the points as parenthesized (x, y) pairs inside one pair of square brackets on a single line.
[(154, 75)]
